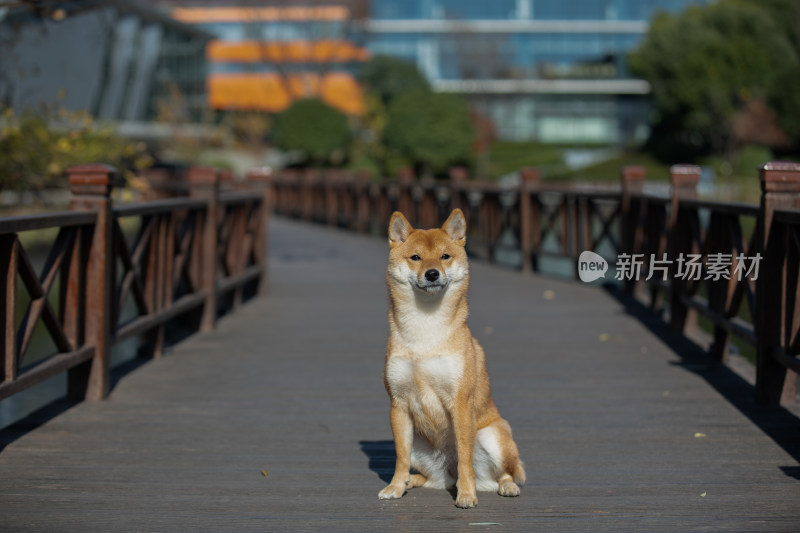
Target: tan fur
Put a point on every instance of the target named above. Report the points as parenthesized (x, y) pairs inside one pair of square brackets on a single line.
[(445, 424)]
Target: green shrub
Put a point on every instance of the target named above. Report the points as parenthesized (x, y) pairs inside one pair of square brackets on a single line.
[(311, 126), (37, 147)]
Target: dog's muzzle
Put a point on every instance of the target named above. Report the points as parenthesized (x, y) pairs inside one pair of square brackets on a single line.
[(433, 282)]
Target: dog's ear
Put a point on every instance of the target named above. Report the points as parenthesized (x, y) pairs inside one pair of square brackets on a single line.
[(456, 227), (399, 229)]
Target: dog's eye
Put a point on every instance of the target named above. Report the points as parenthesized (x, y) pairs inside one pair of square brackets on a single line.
[(415, 257), (445, 256)]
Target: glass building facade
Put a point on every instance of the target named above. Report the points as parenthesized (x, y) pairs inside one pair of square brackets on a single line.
[(545, 70)]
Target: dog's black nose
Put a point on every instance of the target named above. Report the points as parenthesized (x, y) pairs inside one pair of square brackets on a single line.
[(432, 274)]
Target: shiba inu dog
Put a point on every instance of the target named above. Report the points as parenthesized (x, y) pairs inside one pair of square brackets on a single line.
[(445, 424)]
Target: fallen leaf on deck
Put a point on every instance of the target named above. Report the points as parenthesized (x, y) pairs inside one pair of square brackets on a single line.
[(605, 337), (699, 435), (264, 473), (548, 294)]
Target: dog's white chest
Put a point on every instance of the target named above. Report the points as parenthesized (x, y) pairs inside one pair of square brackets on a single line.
[(416, 378)]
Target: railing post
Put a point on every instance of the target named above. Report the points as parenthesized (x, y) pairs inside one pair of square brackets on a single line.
[(458, 181), (780, 189), (164, 182), (362, 188), (684, 180), (633, 177), (427, 208), (405, 195), (226, 181), (307, 179), (91, 186), (204, 183), (529, 179), (9, 256), (330, 189), (261, 179)]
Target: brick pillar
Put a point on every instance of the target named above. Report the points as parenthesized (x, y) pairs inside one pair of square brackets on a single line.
[(91, 187)]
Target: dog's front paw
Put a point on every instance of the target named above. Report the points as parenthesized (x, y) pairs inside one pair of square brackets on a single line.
[(466, 500), (392, 491)]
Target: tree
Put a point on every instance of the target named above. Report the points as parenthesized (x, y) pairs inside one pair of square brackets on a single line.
[(784, 97), (709, 63), (432, 131), (389, 77), (314, 128)]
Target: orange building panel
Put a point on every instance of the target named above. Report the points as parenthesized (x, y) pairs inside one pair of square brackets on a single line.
[(323, 51), (342, 91), (263, 92), (201, 15), (273, 93)]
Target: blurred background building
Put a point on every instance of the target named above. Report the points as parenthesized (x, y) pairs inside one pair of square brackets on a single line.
[(539, 70), (118, 60), (544, 70)]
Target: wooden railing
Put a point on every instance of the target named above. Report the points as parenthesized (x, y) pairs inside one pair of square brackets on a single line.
[(743, 259), (117, 272)]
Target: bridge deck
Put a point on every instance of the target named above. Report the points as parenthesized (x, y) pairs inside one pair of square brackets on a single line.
[(621, 426)]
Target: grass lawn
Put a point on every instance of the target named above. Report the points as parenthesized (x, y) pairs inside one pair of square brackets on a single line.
[(737, 183), (506, 157)]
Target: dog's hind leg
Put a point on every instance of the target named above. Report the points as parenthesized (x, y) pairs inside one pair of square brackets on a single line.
[(497, 443), (417, 480), (506, 486)]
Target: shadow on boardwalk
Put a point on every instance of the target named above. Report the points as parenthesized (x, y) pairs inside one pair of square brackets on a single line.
[(381, 457), (278, 421), (779, 423)]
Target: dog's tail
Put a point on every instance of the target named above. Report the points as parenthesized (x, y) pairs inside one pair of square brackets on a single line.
[(519, 473)]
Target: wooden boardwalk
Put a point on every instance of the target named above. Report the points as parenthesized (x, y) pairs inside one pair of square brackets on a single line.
[(278, 421)]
